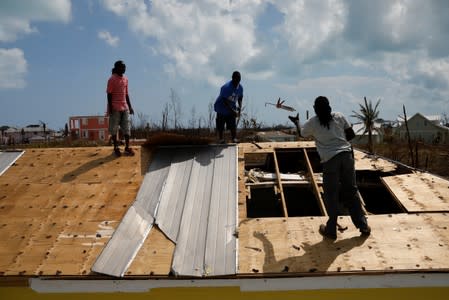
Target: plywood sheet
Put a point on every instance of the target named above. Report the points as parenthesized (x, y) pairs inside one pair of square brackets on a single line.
[(155, 257), (419, 192), (367, 162), (56, 203), (293, 245)]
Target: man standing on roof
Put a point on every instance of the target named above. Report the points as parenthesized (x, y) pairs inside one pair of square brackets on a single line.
[(332, 133), (119, 106), (228, 107)]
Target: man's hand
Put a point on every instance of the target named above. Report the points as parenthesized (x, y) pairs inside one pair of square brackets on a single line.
[(236, 112), (349, 133), (131, 111)]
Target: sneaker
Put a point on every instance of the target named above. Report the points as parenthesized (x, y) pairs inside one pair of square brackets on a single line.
[(235, 141), (222, 141), (365, 231), (117, 152), (129, 151), (326, 234)]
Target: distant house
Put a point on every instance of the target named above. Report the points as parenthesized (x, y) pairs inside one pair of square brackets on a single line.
[(425, 129), (361, 137), (31, 133), (92, 128)]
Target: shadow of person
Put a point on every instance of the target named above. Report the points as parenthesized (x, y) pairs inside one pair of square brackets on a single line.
[(72, 175), (317, 257)]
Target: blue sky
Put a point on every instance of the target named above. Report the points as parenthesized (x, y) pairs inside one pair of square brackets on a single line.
[(56, 56)]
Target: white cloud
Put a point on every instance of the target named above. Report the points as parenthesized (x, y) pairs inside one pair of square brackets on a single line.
[(401, 41), (13, 68), (202, 39), (108, 38), (309, 25), (16, 16)]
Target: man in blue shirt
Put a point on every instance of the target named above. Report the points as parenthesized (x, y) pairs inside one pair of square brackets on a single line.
[(228, 106)]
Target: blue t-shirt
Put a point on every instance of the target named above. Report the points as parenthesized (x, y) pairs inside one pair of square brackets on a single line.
[(230, 94)]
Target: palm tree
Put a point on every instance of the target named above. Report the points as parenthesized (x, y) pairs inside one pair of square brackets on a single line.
[(368, 115)]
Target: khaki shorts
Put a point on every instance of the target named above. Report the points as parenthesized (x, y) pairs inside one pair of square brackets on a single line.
[(119, 118)]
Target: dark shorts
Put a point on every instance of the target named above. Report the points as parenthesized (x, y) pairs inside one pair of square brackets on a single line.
[(225, 119)]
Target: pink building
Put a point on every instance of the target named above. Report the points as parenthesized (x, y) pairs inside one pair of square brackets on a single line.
[(92, 128)]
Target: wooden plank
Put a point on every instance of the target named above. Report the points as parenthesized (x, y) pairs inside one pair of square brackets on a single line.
[(279, 185), (419, 192), (316, 189), (266, 147), (243, 192)]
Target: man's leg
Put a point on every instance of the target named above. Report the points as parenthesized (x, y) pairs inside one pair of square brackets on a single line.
[(350, 192), (231, 125), (331, 178), (125, 125), (114, 119), (220, 122)]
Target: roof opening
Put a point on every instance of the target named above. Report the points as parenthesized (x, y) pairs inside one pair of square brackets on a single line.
[(377, 198), (288, 183), (301, 202), (263, 203), (279, 183)]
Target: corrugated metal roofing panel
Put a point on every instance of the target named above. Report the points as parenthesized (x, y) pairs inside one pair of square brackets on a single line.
[(136, 224), (172, 199), (154, 181), (191, 244), (125, 243), (7, 158), (192, 191), (206, 243), (221, 244)]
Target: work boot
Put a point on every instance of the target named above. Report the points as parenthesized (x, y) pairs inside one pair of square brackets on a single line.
[(129, 151), (117, 152), (365, 231), (323, 231)]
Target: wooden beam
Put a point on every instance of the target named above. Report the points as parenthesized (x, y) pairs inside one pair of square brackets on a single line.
[(316, 190), (279, 183)]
